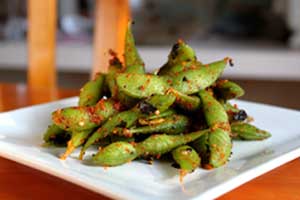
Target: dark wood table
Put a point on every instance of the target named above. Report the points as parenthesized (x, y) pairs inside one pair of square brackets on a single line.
[(20, 182)]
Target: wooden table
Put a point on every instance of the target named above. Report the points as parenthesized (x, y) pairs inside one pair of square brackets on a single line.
[(20, 182)]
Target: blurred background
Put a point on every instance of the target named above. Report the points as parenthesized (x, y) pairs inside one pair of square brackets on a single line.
[(262, 37)]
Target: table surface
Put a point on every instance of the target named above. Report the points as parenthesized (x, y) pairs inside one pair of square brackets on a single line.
[(20, 182)]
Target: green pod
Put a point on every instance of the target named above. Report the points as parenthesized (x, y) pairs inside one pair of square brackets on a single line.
[(77, 139), (186, 102), (92, 91), (218, 144), (141, 85), (84, 117), (228, 90), (214, 148), (126, 117), (133, 61), (117, 153), (56, 136), (214, 112), (193, 80), (180, 58), (161, 143), (171, 125), (187, 158), (246, 131), (220, 147), (161, 102)]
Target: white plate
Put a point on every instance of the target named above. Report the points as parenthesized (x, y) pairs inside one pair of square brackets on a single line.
[(21, 138)]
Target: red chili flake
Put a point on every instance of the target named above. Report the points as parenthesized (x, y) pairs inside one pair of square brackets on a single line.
[(142, 88), (96, 119), (100, 104), (118, 145), (222, 155), (117, 105), (90, 109), (180, 41), (133, 143), (52, 136), (221, 82), (127, 133), (207, 166), (90, 96), (193, 67), (169, 81), (189, 106), (96, 76)]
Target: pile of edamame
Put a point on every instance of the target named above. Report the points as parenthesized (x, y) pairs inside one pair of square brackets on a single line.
[(182, 111)]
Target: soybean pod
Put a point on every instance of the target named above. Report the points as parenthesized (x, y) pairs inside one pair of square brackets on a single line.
[(181, 57), (56, 136), (85, 117), (92, 91), (187, 159), (214, 112), (218, 143), (119, 153), (133, 61), (246, 131)]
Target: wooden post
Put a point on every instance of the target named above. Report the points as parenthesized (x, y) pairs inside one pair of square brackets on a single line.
[(111, 17), (41, 43)]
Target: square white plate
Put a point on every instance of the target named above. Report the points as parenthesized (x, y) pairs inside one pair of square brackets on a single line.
[(21, 138)]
